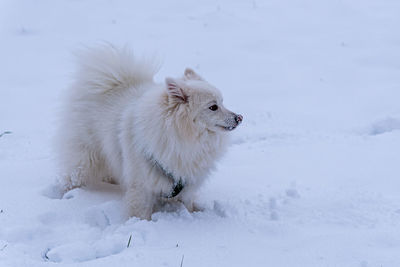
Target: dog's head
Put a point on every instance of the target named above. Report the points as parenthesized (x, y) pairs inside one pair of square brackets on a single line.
[(202, 102)]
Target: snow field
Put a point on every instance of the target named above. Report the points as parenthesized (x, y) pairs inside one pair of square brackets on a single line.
[(311, 178)]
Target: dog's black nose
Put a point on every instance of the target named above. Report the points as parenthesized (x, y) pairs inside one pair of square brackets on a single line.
[(238, 119)]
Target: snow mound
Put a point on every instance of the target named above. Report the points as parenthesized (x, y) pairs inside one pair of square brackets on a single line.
[(385, 126)]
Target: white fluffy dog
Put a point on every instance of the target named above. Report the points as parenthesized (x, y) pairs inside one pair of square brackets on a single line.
[(158, 141)]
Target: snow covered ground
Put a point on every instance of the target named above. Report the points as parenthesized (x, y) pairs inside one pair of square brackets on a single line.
[(312, 177)]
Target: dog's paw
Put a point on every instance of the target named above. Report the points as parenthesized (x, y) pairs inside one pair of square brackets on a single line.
[(197, 207)]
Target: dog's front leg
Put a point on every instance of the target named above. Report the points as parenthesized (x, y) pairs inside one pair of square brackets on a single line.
[(139, 202), (187, 198)]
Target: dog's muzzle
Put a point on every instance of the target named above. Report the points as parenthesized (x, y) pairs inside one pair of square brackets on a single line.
[(233, 122)]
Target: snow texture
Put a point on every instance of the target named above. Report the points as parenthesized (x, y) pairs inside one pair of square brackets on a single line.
[(312, 176)]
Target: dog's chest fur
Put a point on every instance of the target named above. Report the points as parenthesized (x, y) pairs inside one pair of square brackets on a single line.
[(172, 140)]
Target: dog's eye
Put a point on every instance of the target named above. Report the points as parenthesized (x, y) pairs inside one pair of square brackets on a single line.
[(213, 107)]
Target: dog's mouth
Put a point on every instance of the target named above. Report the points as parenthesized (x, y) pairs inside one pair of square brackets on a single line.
[(227, 128)]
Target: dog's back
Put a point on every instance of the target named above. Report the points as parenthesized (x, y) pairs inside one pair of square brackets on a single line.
[(106, 79)]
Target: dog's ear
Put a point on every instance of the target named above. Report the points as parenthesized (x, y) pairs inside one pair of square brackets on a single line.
[(175, 90), (192, 75)]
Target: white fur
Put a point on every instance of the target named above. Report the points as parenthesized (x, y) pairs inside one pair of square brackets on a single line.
[(116, 118)]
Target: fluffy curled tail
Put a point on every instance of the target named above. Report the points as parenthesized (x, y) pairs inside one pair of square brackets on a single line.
[(108, 68)]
